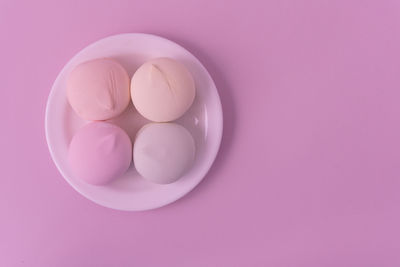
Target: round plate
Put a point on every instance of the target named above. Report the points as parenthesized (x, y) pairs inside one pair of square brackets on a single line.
[(203, 120)]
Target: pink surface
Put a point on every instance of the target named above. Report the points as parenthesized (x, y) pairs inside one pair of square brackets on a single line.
[(308, 173)]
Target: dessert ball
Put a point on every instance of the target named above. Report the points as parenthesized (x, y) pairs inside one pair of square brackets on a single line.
[(163, 152), (99, 153), (162, 89), (98, 89)]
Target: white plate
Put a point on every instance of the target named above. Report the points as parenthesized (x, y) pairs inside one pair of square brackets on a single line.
[(203, 120)]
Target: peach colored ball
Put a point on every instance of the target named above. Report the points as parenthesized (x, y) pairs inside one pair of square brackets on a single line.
[(98, 89), (162, 89)]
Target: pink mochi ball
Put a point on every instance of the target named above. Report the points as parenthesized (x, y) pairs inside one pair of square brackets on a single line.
[(98, 89), (99, 153)]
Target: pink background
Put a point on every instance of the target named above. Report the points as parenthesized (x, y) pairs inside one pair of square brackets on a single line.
[(308, 172)]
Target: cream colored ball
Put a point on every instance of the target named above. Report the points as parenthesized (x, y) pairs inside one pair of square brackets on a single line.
[(162, 89)]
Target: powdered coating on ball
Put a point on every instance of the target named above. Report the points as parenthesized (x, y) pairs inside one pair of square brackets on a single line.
[(163, 152)]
